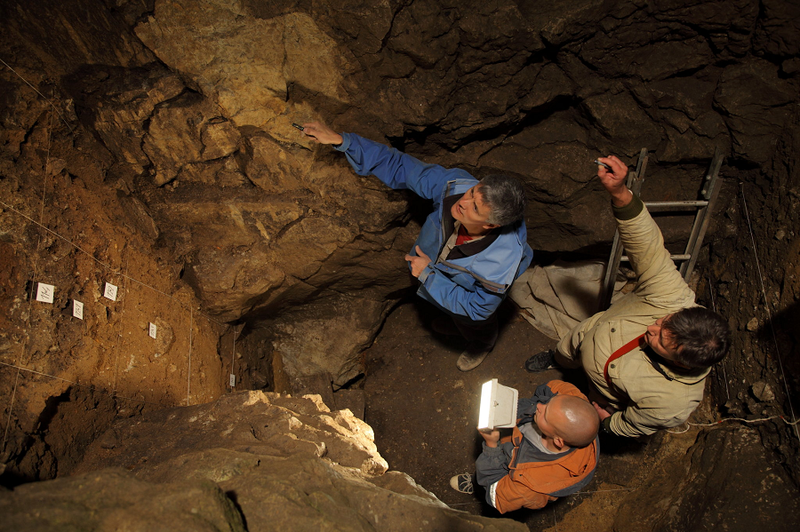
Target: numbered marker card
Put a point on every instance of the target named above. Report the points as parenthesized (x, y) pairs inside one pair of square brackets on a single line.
[(110, 292), (233, 380), (152, 330), (45, 292), (77, 309)]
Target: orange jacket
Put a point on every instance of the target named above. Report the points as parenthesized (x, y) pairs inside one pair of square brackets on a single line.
[(533, 484)]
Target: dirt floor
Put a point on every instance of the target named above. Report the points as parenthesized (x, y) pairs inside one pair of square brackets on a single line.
[(425, 411)]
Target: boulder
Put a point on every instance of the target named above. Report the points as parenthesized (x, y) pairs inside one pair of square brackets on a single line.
[(283, 462), (114, 499)]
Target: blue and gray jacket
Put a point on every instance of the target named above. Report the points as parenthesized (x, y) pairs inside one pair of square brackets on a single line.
[(466, 285)]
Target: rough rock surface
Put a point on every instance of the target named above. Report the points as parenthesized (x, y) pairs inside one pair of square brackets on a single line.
[(727, 480), (66, 223), (197, 121), (249, 461), (149, 143), (115, 500)]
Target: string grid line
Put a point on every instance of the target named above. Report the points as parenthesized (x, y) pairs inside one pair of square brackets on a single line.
[(110, 270), (769, 313)]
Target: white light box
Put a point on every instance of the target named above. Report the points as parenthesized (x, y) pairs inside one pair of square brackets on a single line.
[(498, 406)]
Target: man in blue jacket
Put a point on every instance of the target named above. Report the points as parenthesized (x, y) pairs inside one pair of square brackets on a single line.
[(471, 247)]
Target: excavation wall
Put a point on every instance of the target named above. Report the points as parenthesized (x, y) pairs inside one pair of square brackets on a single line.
[(150, 176)]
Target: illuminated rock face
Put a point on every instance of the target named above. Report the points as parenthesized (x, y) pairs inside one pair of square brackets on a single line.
[(196, 116), (261, 459)]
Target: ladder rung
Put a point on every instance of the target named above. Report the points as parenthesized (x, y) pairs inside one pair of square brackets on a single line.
[(673, 257), (691, 204), (702, 213)]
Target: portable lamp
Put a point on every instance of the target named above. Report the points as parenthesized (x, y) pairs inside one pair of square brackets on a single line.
[(498, 406)]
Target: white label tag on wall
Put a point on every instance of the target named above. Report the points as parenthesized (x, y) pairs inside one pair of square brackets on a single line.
[(77, 309), (233, 380), (110, 292), (45, 292), (152, 330)]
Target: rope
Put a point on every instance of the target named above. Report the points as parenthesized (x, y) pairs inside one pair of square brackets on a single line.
[(118, 342), (769, 314), (233, 359), (40, 94), (110, 394), (714, 308), (189, 370), (35, 267), (112, 269), (10, 406), (723, 420)]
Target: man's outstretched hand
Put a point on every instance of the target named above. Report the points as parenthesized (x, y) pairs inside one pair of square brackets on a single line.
[(419, 262), (614, 180), (322, 133)]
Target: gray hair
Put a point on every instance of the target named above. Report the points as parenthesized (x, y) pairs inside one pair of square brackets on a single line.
[(506, 198)]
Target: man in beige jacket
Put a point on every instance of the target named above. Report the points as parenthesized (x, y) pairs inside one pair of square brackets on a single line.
[(648, 355)]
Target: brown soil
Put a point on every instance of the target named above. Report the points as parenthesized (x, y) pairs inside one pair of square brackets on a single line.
[(424, 410)]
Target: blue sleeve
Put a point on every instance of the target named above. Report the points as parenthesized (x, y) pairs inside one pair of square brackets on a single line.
[(478, 304), (396, 169), (492, 464)]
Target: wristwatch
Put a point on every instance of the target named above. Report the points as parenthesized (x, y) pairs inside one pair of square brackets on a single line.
[(605, 426)]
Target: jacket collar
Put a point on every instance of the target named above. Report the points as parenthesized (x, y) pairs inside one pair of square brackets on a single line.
[(673, 373), (469, 248)]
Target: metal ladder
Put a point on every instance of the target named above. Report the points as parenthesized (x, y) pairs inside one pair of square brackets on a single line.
[(702, 209)]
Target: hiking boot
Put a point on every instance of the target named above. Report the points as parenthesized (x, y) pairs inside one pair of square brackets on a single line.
[(444, 325), (462, 483), (472, 358), (541, 361)]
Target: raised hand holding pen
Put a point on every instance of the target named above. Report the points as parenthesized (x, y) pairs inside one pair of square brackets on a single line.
[(614, 180), (322, 133)]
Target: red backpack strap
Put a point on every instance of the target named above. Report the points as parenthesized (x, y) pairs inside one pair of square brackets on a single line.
[(627, 348)]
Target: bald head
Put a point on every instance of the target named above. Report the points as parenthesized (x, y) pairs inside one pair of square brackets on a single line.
[(575, 420)]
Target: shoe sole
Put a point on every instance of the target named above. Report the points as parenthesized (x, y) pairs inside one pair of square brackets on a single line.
[(454, 484), (542, 369)]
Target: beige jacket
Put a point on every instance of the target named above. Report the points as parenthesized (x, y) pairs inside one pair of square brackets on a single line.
[(653, 396)]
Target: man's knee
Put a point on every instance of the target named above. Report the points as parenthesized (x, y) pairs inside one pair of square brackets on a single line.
[(567, 362), (568, 352)]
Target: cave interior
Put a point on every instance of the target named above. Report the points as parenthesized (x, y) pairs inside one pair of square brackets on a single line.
[(169, 239)]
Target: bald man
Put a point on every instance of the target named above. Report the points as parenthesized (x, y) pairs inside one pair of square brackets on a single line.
[(552, 452)]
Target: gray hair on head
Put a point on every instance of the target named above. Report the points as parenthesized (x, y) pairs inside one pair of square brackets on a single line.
[(506, 198)]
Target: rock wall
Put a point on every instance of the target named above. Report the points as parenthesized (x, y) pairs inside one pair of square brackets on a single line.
[(756, 285), (196, 115), (249, 461), (149, 144), (67, 225)]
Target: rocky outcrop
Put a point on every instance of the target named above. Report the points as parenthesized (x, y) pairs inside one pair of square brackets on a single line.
[(68, 221), (265, 221), (114, 500), (249, 461), (150, 143), (712, 487)]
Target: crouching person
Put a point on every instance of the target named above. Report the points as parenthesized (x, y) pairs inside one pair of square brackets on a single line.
[(552, 452)]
